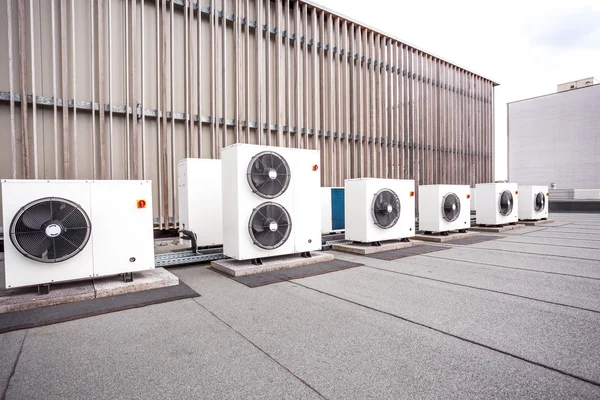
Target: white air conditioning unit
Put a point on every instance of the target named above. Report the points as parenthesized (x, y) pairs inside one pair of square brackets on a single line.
[(379, 209), (444, 208), (332, 210), (533, 202), (496, 203), (61, 230), (200, 206), (271, 202)]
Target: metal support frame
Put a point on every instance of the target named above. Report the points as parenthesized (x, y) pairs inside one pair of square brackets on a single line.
[(44, 288)]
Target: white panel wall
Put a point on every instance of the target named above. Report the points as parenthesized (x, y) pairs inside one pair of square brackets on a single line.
[(556, 139)]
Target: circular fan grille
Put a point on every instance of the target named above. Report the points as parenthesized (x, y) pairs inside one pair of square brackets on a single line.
[(539, 202), (268, 174), (385, 208), (506, 203), (50, 230), (450, 207), (269, 226)]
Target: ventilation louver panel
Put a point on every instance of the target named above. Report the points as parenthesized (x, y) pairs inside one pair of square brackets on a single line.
[(450, 207), (270, 225), (539, 202), (268, 174), (50, 230), (506, 203), (385, 208)]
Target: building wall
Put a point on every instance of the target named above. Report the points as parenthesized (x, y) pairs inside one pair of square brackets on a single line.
[(556, 139), (125, 89)]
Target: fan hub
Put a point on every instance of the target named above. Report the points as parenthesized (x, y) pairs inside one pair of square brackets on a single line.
[(273, 226), (53, 230)]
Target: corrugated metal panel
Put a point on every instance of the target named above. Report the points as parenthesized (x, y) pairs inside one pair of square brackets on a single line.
[(125, 89)]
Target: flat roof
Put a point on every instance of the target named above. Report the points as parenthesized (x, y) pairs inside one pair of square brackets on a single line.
[(517, 316)]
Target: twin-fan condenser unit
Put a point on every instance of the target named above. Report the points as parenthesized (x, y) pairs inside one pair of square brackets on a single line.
[(271, 201)]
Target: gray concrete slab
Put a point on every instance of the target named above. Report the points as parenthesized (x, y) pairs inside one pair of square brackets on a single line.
[(19, 299), (437, 238), (348, 352), (245, 267), (10, 346), (173, 350), (549, 234), (561, 337), (142, 280), (562, 242), (541, 249), (369, 345), (27, 298), (524, 231), (368, 248), (496, 229), (535, 262), (536, 222), (561, 289), (576, 229)]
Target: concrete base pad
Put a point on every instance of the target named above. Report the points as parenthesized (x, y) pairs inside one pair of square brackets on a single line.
[(19, 299), (367, 248), (496, 229), (535, 223), (443, 239), (245, 267), (143, 280)]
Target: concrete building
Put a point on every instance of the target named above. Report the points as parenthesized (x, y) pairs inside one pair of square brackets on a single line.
[(125, 89), (556, 138)]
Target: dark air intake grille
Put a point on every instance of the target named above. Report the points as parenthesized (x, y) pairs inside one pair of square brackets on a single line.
[(451, 207), (506, 203), (269, 225), (268, 174), (539, 202), (385, 208), (50, 230)]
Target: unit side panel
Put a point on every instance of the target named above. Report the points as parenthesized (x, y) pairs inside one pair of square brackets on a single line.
[(117, 201), (183, 195), (358, 209), (307, 207), (230, 186), (326, 210), (204, 200), (429, 208)]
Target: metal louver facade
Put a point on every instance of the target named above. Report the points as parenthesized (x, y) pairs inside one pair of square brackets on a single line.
[(121, 89)]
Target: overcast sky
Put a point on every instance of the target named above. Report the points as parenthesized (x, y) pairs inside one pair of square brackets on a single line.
[(527, 46)]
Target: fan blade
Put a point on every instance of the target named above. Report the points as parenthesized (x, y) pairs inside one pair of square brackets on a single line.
[(258, 225), (75, 235), (31, 222), (34, 243), (259, 179), (37, 215), (63, 247)]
